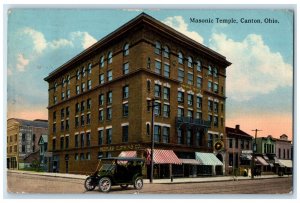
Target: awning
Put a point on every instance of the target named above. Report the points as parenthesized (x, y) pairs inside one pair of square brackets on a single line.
[(161, 156), (127, 154), (286, 162), (208, 159), (190, 161), (261, 161), (266, 158), (246, 156)]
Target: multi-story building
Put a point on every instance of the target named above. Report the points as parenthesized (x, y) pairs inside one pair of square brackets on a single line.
[(266, 149), (22, 141), (283, 160), (99, 101), (239, 150)]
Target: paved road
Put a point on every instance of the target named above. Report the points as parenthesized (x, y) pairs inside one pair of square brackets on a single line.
[(25, 183)]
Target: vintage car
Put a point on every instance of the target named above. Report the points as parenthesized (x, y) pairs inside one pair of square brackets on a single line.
[(123, 171)]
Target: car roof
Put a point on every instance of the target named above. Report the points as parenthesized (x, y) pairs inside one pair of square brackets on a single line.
[(123, 159)]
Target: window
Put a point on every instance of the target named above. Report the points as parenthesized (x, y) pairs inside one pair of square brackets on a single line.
[(180, 136), (209, 140), (190, 78), (88, 156), (83, 71), (67, 125), (125, 92), (62, 125), (68, 79), (166, 135), (190, 62), (81, 156), (157, 133), (62, 113), (199, 102), (210, 119), (62, 96), (109, 57), (101, 79), (157, 108), (68, 93), (216, 88), (216, 107), (109, 97), (190, 114), (157, 48), (55, 99), (125, 68), (209, 86), (166, 53), (82, 120), (125, 133), (89, 85), (62, 143), (167, 70), (189, 138), (101, 115), (158, 67), (100, 137), (82, 87), (88, 118), (77, 89), (166, 93), (88, 139), (199, 82), (180, 75), (125, 110), (55, 86), (180, 97), (77, 107), (109, 75), (209, 70), (210, 105), (89, 103), (216, 123), (53, 145), (89, 68), (82, 140), (180, 58), (190, 99), (108, 136), (76, 122), (180, 112), (198, 66), (126, 50), (215, 73), (230, 143), (78, 74), (54, 115), (82, 106), (76, 141), (101, 99), (101, 64), (166, 110), (198, 139), (157, 90), (108, 113)]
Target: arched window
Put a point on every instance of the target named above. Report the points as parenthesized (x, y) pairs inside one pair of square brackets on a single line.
[(180, 58), (157, 48), (83, 71), (190, 62), (55, 86), (198, 66), (68, 79), (89, 68), (209, 70), (63, 82), (126, 50), (78, 74), (215, 72), (101, 61), (166, 52), (109, 57)]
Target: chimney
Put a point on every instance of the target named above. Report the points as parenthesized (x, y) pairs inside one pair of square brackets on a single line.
[(237, 127)]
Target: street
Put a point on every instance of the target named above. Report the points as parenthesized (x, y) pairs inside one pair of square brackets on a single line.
[(34, 184)]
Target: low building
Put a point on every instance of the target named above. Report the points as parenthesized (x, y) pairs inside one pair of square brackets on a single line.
[(266, 148), (22, 141), (283, 161)]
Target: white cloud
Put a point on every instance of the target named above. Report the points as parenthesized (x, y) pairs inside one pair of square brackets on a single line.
[(38, 39), (255, 69), (177, 22), (22, 62), (86, 39), (55, 44)]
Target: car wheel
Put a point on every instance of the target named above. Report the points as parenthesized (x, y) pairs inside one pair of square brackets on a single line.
[(138, 183), (124, 186), (105, 184), (89, 184)]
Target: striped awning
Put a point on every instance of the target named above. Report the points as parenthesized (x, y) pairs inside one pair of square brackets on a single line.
[(127, 154), (208, 159), (161, 156), (286, 162), (190, 161), (261, 161)]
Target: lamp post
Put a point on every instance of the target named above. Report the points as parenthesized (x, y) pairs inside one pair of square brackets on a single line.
[(153, 105), (253, 153)]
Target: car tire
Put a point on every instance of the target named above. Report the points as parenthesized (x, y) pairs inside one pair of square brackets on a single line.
[(88, 184), (124, 186), (105, 184), (138, 183)]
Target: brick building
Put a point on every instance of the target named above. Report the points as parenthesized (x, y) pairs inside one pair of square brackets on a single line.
[(22, 141), (98, 100)]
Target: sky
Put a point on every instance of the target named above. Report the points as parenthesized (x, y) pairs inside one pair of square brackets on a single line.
[(259, 83)]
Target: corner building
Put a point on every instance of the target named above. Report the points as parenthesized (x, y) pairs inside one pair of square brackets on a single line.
[(98, 100)]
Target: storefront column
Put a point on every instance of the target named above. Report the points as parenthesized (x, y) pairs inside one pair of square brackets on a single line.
[(170, 168)]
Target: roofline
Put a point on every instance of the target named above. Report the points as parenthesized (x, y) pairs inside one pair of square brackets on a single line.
[(143, 17)]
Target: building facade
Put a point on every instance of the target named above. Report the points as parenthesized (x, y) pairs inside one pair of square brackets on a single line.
[(99, 101), (283, 161), (22, 141), (239, 150)]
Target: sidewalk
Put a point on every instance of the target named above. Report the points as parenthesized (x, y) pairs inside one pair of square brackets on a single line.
[(159, 181)]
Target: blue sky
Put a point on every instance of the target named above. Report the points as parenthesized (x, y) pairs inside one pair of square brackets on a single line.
[(259, 82)]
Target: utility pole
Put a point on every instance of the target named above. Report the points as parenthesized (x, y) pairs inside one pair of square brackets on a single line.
[(254, 149)]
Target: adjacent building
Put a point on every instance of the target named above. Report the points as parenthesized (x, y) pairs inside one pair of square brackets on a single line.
[(99, 102), (283, 160), (22, 141)]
